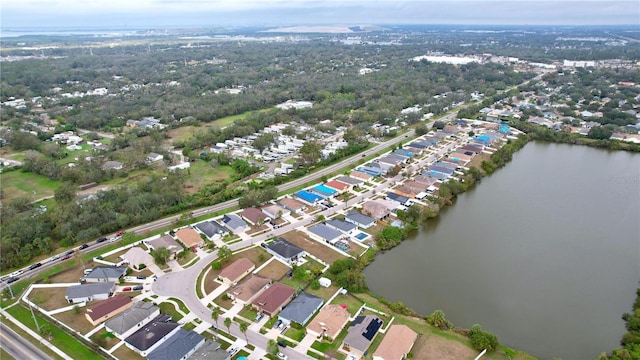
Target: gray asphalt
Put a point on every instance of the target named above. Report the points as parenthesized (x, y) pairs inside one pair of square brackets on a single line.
[(18, 347)]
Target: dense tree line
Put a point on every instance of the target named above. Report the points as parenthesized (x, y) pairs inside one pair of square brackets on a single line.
[(631, 339)]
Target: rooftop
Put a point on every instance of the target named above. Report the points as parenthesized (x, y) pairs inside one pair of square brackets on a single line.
[(274, 297), (87, 290), (177, 346), (237, 269), (301, 308), (211, 228), (167, 242), (188, 237), (249, 287), (325, 232), (362, 331), (108, 306), (284, 248), (151, 333), (397, 342), (106, 272), (330, 320), (129, 318)]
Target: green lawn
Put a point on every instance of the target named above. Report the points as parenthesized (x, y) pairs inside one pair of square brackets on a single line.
[(352, 303), (18, 183), (295, 334), (71, 346), (169, 309), (201, 174)]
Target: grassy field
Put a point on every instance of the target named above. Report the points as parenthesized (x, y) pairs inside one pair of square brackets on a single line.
[(202, 174), (59, 338), (19, 183)]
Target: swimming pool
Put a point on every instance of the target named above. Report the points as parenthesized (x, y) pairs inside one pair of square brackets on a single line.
[(361, 236)]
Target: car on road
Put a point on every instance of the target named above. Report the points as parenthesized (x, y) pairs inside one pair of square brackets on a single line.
[(102, 239), (16, 273), (282, 356), (12, 279), (136, 288), (66, 257), (126, 288), (83, 246), (120, 233), (70, 252), (282, 343), (33, 266)]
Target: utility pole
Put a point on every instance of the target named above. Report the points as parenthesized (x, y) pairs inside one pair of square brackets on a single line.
[(34, 316)]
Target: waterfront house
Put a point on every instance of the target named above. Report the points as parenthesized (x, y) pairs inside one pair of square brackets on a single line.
[(361, 333), (342, 226), (325, 233), (329, 321), (396, 344), (359, 219)]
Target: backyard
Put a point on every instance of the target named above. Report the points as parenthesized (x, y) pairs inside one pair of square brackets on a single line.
[(315, 248)]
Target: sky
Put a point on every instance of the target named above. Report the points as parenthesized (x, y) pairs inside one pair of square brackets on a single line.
[(91, 14)]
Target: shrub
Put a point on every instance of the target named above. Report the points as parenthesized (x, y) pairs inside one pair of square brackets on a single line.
[(481, 339), (216, 265)]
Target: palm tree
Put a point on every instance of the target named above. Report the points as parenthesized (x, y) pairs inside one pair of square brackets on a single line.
[(215, 314), (227, 323), (243, 329)]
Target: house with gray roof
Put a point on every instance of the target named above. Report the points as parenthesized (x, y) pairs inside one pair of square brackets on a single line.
[(130, 320), (210, 350), (301, 309), (402, 200), (89, 292), (361, 333), (234, 223), (285, 250), (342, 226), (104, 274), (325, 233), (349, 180), (212, 229), (178, 347), (167, 242), (359, 219), (152, 335)]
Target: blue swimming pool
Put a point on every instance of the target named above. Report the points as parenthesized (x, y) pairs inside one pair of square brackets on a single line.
[(361, 236)]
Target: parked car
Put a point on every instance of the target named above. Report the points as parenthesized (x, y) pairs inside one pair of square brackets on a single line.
[(102, 239), (127, 288), (282, 343), (259, 316), (282, 356), (141, 277), (36, 265), (83, 246), (277, 325), (136, 288)]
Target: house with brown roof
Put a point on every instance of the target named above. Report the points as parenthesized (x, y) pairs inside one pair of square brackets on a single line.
[(248, 289), (397, 343), (329, 321), (375, 209), (406, 191), (360, 175), (416, 186), (272, 300), (235, 271), (189, 237), (275, 211), (106, 309), (136, 256), (254, 216), (335, 184), (293, 205), (424, 180)]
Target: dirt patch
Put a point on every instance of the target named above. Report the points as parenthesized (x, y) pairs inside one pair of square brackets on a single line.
[(105, 339), (75, 318), (432, 347), (72, 275), (274, 271), (124, 353), (49, 298), (313, 247), (209, 284)]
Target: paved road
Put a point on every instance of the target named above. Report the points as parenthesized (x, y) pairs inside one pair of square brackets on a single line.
[(18, 347)]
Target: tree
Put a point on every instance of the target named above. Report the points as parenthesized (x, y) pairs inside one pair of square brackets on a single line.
[(272, 347), (227, 324), (310, 152), (65, 192), (421, 129), (243, 329), (224, 253), (263, 141), (160, 255), (215, 314), (600, 132), (438, 319), (481, 339)]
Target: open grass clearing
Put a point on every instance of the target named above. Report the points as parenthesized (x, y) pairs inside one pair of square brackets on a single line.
[(353, 304), (323, 292), (75, 318), (104, 338), (20, 183), (124, 353), (71, 275), (201, 174), (274, 271), (315, 248), (49, 298)]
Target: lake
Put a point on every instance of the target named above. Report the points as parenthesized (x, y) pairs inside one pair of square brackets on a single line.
[(544, 253)]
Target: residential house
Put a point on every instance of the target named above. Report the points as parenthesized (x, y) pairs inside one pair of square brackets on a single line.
[(361, 333), (424, 180), (323, 191), (234, 223), (308, 197), (132, 319), (349, 180), (416, 186), (189, 238), (329, 321), (461, 158), (396, 344), (359, 219), (300, 309), (106, 309), (285, 250), (154, 157), (210, 350), (212, 229), (293, 205), (275, 211), (89, 292), (375, 209), (338, 185), (235, 271), (136, 256), (359, 175), (272, 300), (342, 226), (325, 233), (254, 216), (248, 289), (152, 335), (406, 191), (104, 274), (403, 152), (167, 242), (402, 200), (179, 346), (474, 148)]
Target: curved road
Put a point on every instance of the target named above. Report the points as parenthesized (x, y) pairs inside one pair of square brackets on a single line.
[(18, 347)]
